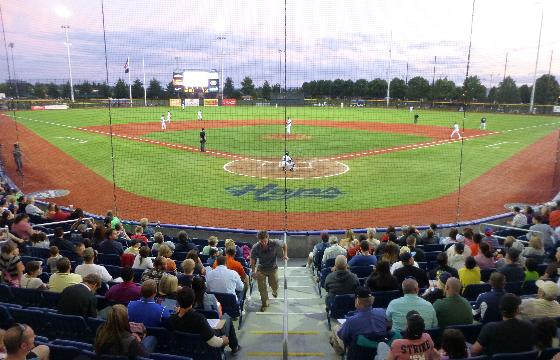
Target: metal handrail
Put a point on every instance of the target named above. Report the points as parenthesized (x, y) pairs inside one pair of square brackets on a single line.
[(61, 222)]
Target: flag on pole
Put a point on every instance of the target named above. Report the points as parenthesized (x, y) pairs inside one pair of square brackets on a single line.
[(126, 66)]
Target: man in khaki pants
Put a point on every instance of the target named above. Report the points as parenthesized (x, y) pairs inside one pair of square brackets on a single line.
[(266, 251)]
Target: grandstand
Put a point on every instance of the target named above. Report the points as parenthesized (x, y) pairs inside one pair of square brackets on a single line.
[(348, 180)]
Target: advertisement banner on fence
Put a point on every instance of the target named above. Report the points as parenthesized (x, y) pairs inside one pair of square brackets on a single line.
[(50, 107), (192, 102), (229, 102), (556, 109), (175, 102), (210, 102)]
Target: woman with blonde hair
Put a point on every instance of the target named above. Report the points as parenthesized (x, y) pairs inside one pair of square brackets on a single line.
[(347, 240), (535, 247), (167, 290), (115, 337), (166, 252), (212, 244), (391, 254)]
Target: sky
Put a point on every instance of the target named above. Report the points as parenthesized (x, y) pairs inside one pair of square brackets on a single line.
[(325, 39)]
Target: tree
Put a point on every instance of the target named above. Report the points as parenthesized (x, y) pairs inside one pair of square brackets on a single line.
[(473, 89), (169, 91), (443, 89), (398, 89), (247, 86), (66, 90), (418, 88), (104, 91), (546, 90), (361, 88), (492, 94), (228, 88), (337, 88), (507, 92), (266, 90), (324, 87), (137, 89), (84, 89), (276, 88), (154, 91), (525, 93), (377, 88), (121, 90), (52, 91), (39, 91)]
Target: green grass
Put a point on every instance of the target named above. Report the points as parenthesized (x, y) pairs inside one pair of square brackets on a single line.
[(323, 141), (183, 177)]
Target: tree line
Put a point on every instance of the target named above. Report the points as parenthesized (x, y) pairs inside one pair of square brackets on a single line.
[(547, 90)]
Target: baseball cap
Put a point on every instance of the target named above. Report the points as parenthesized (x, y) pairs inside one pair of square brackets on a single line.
[(405, 256), (444, 276), (548, 287), (415, 324), (488, 231), (363, 292)]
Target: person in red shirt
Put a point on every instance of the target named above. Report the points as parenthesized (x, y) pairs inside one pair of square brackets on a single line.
[(138, 235), (554, 217)]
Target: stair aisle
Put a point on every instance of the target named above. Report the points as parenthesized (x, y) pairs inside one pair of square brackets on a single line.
[(308, 337)]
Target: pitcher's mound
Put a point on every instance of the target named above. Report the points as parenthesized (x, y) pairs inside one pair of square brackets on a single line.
[(289, 137), (271, 169)]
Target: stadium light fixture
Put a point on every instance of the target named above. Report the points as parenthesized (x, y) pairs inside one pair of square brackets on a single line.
[(68, 44)]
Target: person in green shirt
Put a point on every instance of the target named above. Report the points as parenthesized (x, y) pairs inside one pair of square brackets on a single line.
[(531, 273), (453, 309)]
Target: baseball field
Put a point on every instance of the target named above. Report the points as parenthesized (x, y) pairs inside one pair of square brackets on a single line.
[(355, 167)]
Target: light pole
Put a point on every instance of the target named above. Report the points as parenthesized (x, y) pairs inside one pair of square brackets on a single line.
[(11, 46), (221, 38), (532, 103), (67, 43), (280, 51)]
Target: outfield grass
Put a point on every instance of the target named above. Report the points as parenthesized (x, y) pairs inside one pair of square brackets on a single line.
[(390, 179)]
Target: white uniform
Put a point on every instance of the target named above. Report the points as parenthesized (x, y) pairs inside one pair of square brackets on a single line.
[(483, 123), (411, 109), (287, 163), (169, 116), (182, 104), (289, 126), (163, 127), (199, 115), (455, 131)]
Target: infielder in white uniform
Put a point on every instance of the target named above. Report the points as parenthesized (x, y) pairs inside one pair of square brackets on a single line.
[(169, 116), (289, 126), (287, 163), (163, 127), (411, 109), (455, 131), (483, 123), (199, 115), (183, 104)]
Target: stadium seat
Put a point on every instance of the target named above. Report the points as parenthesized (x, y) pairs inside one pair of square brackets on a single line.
[(138, 275), (28, 297), (330, 263), (94, 323), (40, 253), (156, 356), (58, 351), (317, 259), (549, 353), (191, 345), (77, 344), (341, 306), (66, 326), (515, 288), (381, 299), (6, 294), (109, 259), (435, 333), (433, 247), (470, 331), (231, 305), (432, 255), (361, 271), (322, 277), (41, 340), (529, 355), (472, 291), (209, 314), (6, 318), (163, 337), (114, 271), (485, 274), (541, 268), (34, 318), (50, 299)]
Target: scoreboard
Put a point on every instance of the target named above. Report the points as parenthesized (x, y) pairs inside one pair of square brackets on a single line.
[(196, 81)]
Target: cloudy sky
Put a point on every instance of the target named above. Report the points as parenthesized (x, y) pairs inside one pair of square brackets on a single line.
[(326, 39)]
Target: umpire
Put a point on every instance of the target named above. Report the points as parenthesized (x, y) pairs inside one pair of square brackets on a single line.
[(266, 252), (202, 140)]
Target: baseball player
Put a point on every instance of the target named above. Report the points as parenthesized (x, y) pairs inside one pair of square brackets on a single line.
[(455, 131), (168, 116), (163, 127), (289, 126), (411, 109), (416, 116), (483, 123), (202, 140), (18, 158), (199, 115), (287, 163), (183, 104)]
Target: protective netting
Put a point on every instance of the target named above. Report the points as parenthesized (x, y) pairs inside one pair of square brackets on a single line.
[(277, 84)]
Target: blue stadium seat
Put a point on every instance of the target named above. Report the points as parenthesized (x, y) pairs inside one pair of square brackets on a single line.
[(485, 274), (470, 331), (435, 334), (192, 345), (26, 259), (45, 276), (6, 293), (66, 326), (549, 353), (94, 323), (163, 337), (322, 276), (41, 340), (433, 247), (432, 255), (381, 299), (515, 288), (77, 344), (541, 268), (341, 306), (156, 356), (38, 252), (114, 271), (6, 318), (529, 355), (34, 318), (28, 297), (209, 314), (58, 351), (109, 259), (179, 255), (138, 275), (50, 299), (472, 291), (361, 271), (231, 305)]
